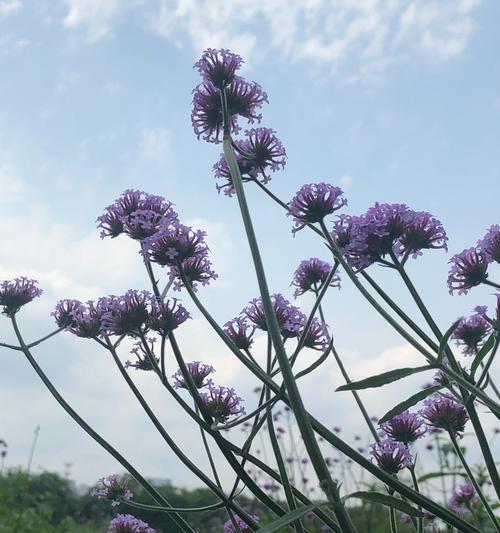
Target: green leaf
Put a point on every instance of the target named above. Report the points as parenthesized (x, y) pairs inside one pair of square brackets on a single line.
[(383, 379), (444, 341), (287, 519), (483, 352), (390, 501), (410, 402)]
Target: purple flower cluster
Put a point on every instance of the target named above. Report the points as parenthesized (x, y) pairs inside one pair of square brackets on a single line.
[(137, 214), (406, 428), (391, 456), (218, 67), (259, 153), (290, 319), (16, 293), (126, 523), (183, 250), (471, 332), (240, 332), (229, 527), (444, 413), (313, 202), (494, 321), (113, 489), (316, 336), (222, 403), (143, 358), (392, 230), (463, 499), (198, 371), (311, 274), (132, 314), (469, 268)]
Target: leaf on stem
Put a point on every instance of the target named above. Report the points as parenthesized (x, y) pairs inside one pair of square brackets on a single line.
[(389, 501), (410, 402)]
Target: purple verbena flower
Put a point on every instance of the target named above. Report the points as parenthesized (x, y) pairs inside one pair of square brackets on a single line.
[(229, 527), (240, 332), (218, 67), (313, 202), (482, 310), (197, 269), (16, 293), (88, 319), (112, 489), (127, 314), (468, 269), (471, 332), (165, 316), (126, 523), (422, 231), (462, 499), (406, 427), (64, 312), (317, 336), (490, 244), (222, 403), (444, 413), (198, 371), (222, 172), (243, 98), (290, 318), (391, 456), (143, 358), (174, 244), (311, 274)]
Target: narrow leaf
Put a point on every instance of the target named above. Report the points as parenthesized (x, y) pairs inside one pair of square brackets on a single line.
[(444, 341), (432, 475), (410, 402), (390, 501), (483, 352), (287, 519), (383, 379)]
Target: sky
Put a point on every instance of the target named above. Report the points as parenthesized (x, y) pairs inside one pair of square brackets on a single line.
[(394, 101)]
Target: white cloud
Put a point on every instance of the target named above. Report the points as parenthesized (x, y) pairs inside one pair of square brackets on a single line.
[(345, 182), (8, 7), (96, 15), (155, 143), (12, 186)]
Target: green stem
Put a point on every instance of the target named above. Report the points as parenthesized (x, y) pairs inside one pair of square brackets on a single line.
[(472, 479), (420, 522)]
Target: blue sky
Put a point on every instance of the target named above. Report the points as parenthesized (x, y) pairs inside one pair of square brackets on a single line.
[(394, 101)]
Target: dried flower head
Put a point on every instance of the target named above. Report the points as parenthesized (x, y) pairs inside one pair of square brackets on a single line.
[(113, 489), (313, 202), (444, 413), (16, 293), (406, 427), (198, 371)]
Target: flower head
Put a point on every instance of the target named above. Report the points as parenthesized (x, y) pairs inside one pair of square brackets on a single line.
[(490, 244), (243, 99), (175, 243), (113, 489), (444, 413), (240, 332), (137, 214), (198, 371), (126, 523), (422, 231), (406, 427), (65, 311), (218, 67), (290, 318), (313, 202), (197, 269), (16, 293), (311, 274), (391, 456), (471, 332), (222, 403), (127, 314), (462, 499), (229, 527), (165, 316), (88, 318), (468, 269), (494, 321), (316, 336), (143, 357)]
